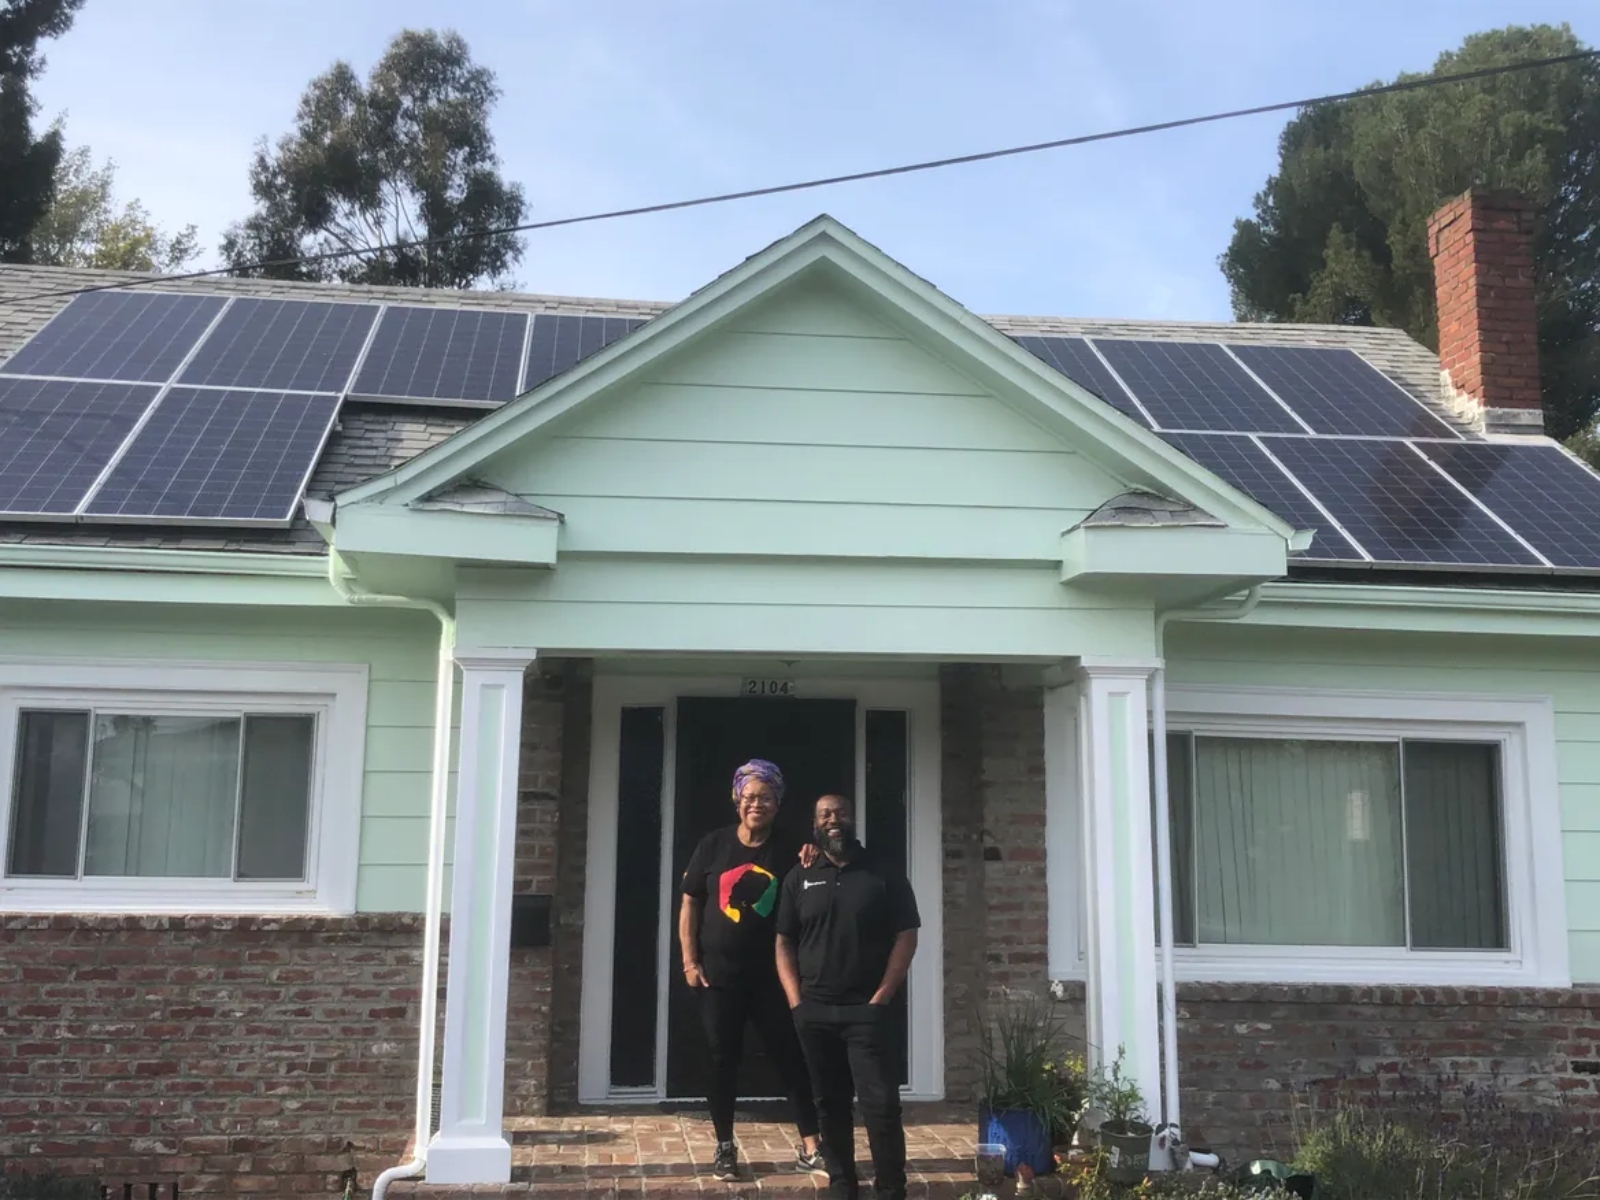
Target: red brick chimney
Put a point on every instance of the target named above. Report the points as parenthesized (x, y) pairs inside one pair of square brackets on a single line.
[(1482, 248)]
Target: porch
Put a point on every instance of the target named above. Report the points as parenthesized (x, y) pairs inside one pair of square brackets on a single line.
[(661, 1155)]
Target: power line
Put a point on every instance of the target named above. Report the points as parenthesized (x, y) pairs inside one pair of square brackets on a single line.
[(1409, 85)]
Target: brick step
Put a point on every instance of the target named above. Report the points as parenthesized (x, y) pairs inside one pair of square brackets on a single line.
[(676, 1187)]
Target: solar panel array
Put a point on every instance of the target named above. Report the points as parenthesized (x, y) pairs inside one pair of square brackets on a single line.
[(186, 407), (182, 407), (1329, 443)]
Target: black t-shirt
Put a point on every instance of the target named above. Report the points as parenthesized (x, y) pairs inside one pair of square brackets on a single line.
[(737, 886), (843, 922)]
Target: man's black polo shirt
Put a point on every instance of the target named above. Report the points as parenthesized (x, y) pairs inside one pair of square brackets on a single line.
[(843, 922)]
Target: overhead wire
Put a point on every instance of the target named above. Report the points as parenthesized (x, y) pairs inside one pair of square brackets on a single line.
[(1407, 85)]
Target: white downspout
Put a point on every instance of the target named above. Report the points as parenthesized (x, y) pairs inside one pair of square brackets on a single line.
[(433, 911), (1158, 734)]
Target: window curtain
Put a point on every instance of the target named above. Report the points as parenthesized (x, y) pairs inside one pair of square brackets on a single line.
[(1453, 846), (1298, 842), (275, 803), (162, 796)]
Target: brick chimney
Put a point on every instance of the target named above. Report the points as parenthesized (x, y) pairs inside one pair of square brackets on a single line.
[(1482, 248)]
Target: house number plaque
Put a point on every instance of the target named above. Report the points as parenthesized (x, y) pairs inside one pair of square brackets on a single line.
[(768, 687)]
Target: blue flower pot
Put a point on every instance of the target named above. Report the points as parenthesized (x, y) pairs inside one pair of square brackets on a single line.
[(1024, 1135)]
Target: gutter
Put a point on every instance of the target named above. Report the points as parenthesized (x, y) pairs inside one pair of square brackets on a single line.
[(188, 562), (320, 513), (1158, 737)]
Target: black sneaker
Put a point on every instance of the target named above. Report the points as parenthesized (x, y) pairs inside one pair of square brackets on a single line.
[(810, 1162), (725, 1166)]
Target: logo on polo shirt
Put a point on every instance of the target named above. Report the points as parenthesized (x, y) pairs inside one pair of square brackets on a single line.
[(811, 883)]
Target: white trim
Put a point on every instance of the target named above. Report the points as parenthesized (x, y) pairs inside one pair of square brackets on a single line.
[(924, 858), (1062, 833), (336, 693), (1524, 728), (470, 1145)]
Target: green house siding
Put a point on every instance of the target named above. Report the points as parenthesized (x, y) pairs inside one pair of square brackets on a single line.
[(1566, 671), (806, 427), (399, 650)]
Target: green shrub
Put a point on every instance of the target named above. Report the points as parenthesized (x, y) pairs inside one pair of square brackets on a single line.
[(1440, 1139)]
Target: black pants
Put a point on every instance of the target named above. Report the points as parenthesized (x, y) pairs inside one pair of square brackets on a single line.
[(724, 1012), (851, 1053)]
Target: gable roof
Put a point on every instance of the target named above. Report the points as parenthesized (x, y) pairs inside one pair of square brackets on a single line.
[(371, 439)]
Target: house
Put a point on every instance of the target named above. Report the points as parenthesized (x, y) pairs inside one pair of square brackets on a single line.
[(322, 608)]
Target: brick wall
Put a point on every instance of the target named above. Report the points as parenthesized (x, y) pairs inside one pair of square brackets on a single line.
[(566, 992), (538, 832), (1251, 1053), (234, 1053), (996, 905)]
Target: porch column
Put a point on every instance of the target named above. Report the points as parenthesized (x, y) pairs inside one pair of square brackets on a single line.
[(1119, 873), (471, 1146)]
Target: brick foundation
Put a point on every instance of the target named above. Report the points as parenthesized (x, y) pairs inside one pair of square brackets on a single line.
[(231, 1053)]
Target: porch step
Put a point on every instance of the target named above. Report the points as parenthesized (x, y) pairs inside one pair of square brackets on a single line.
[(667, 1156)]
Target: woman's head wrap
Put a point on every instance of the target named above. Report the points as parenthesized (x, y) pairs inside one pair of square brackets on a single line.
[(758, 768)]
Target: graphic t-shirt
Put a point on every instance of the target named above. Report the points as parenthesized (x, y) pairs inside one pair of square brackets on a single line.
[(737, 886)]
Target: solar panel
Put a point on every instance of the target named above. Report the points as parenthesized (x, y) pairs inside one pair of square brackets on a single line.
[(1542, 493), (287, 345), (1073, 358), (56, 436), (561, 340), (444, 354), (239, 456), (133, 336), (1338, 391), (1196, 386), (1241, 463), (1397, 506)]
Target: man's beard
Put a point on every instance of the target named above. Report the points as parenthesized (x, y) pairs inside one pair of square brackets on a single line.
[(838, 841)]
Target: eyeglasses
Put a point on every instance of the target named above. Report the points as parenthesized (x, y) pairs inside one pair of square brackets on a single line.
[(764, 799)]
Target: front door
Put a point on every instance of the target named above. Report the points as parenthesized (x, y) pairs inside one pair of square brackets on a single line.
[(814, 742)]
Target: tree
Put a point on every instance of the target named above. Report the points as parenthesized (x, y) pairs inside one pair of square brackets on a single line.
[(406, 157), (1340, 232), (85, 228), (27, 164)]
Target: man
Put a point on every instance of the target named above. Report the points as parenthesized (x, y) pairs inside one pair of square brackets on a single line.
[(847, 930)]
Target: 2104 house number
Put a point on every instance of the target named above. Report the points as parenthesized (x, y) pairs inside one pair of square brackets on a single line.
[(768, 687)]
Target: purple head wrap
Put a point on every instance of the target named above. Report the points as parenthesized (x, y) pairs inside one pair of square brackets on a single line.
[(758, 768)]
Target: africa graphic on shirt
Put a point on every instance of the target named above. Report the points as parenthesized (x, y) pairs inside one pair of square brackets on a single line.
[(745, 873)]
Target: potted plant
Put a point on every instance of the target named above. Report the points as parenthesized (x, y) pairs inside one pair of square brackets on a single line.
[(1124, 1132), (1031, 1089)]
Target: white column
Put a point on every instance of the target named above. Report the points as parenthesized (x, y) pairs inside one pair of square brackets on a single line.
[(1119, 873), (471, 1146)]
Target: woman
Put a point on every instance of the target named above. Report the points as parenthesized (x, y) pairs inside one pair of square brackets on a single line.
[(725, 926)]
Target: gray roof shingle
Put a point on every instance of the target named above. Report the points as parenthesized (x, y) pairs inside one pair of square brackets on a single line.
[(370, 439)]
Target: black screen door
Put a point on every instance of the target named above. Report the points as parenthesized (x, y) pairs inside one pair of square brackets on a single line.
[(814, 742)]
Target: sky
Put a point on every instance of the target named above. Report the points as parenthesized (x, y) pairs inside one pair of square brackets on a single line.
[(616, 103)]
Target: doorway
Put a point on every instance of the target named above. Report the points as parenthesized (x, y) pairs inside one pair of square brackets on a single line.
[(663, 752), (814, 743)]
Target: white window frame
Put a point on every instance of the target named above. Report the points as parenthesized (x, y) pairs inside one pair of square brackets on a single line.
[(1524, 730), (336, 694)]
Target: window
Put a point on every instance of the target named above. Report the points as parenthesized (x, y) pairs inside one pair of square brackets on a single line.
[(1384, 838), (183, 792), (1284, 841), (204, 795)]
